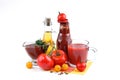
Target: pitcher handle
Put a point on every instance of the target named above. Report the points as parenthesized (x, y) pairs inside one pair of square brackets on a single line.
[(87, 42), (92, 55), (94, 50)]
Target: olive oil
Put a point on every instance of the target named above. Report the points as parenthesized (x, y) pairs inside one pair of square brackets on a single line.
[(47, 36)]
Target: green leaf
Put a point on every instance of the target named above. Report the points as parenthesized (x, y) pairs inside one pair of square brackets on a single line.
[(39, 42)]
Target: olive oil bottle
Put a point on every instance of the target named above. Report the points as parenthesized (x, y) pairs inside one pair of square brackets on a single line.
[(47, 36)]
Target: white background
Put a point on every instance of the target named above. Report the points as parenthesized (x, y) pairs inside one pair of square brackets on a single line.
[(95, 20)]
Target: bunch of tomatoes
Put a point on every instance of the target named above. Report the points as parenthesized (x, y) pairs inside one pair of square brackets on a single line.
[(57, 61)]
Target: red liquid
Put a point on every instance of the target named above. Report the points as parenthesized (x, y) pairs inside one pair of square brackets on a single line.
[(64, 37), (77, 52), (33, 50)]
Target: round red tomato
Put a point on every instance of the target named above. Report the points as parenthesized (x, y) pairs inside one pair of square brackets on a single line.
[(45, 62), (81, 66), (59, 57), (61, 17)]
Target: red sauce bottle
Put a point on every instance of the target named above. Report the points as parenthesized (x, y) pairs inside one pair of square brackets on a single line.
[(64, 37)]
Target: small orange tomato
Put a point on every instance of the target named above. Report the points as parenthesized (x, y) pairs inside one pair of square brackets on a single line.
[(57, 68), (29, 65), (65, 67)]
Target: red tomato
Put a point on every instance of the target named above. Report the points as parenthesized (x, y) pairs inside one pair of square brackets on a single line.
[(45, 62), (59, 57), (61, 17), (81, 66)]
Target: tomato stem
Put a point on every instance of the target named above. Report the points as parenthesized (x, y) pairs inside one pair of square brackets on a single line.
[(59, 12), (57, 53)]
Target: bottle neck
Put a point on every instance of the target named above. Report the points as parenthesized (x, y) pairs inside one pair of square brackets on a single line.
[(64, 28), (47, 25), (47, 28)]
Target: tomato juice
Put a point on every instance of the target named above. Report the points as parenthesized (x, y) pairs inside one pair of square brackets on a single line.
[(77, 52)]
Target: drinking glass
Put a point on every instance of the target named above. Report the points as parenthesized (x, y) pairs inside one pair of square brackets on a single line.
[(78, 51)]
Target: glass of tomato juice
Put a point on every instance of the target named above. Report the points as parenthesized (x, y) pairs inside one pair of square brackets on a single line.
[(78, 51)]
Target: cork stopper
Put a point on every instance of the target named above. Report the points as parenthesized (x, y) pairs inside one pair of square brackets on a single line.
[(48, 22)]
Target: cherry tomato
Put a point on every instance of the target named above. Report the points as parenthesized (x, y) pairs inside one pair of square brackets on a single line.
[(61, 17), (57, 68), (59, 57), (65, 67), (45, 62), (81, 66), (29, 65)]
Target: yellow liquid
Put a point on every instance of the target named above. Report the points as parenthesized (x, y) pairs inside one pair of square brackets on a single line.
[(47, 37)]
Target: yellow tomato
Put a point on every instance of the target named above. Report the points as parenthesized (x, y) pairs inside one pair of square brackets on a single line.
[(65, 67), (29, 65), (57, 68)]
